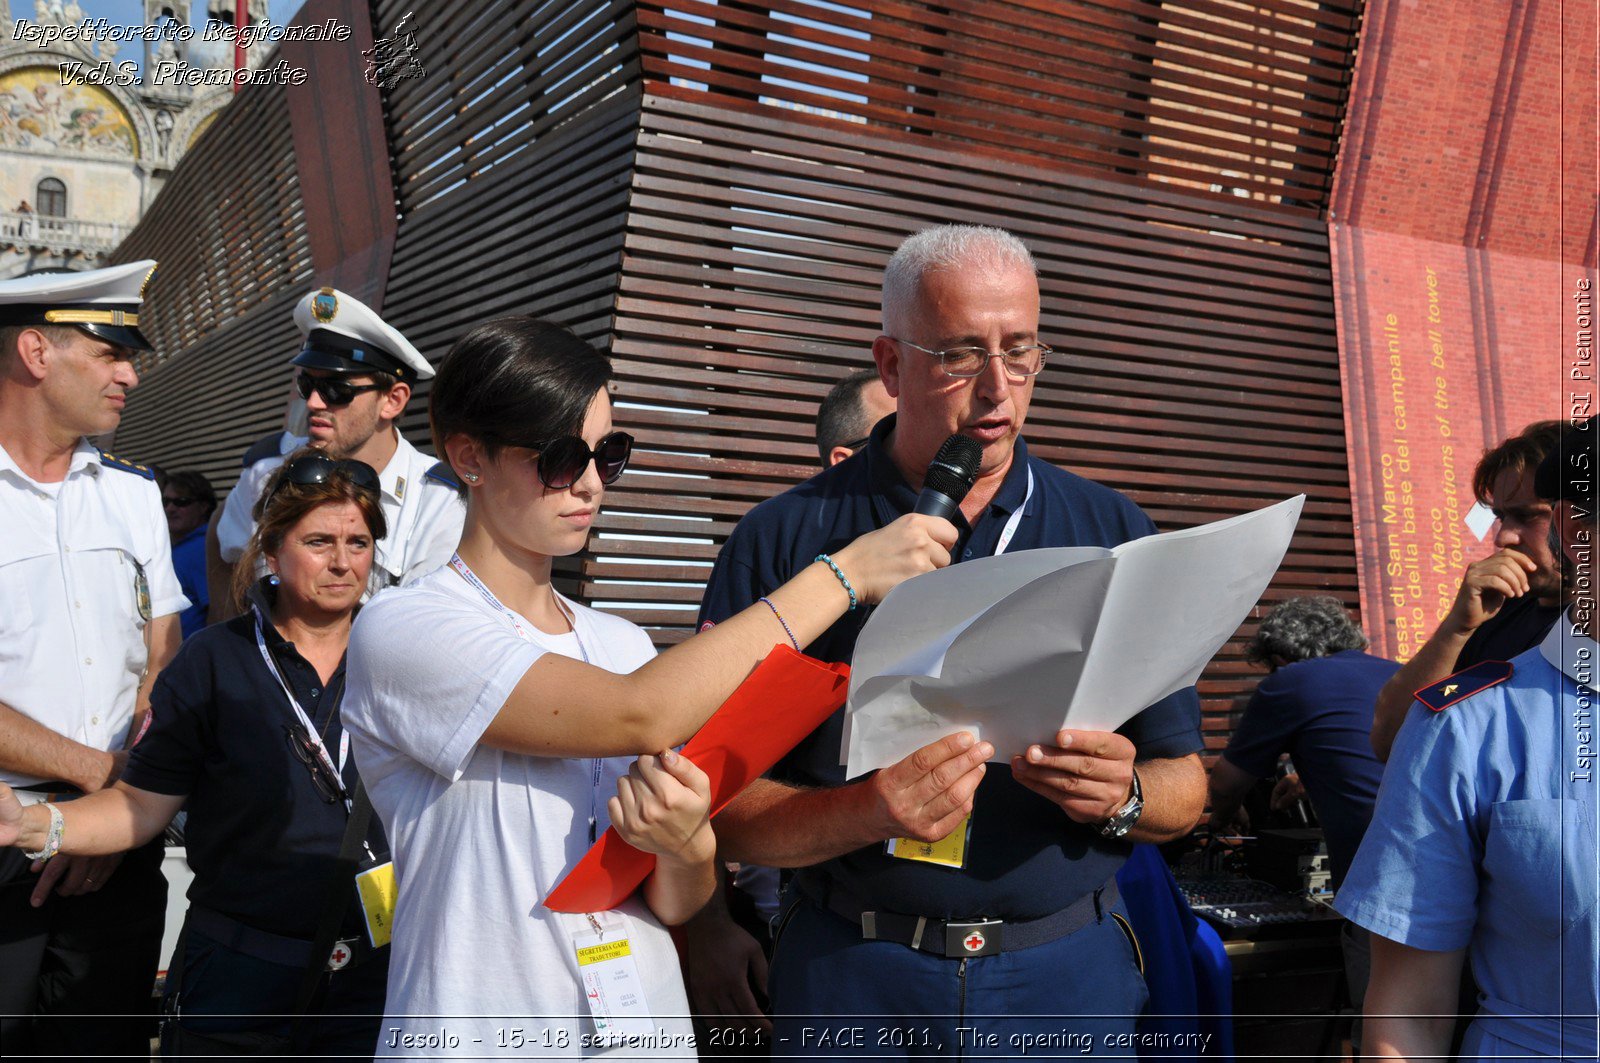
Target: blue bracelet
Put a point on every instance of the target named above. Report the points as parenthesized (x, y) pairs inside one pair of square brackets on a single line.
[(837, 571), (782, 621)]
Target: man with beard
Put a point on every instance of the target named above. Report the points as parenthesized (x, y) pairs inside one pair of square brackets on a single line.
[(356, 373), (1508, 600)]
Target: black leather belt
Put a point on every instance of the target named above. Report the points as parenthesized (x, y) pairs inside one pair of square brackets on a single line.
[(958, 937)]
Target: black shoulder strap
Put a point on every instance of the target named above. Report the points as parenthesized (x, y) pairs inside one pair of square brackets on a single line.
[(337, 902)]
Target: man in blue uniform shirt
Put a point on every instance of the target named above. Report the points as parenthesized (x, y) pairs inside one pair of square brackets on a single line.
[(1482, 846), (910, 952)]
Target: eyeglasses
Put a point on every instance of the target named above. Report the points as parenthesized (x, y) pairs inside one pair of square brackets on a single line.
[(318, 468), (562, 462), (856, 444), (177, 503), (329, 786), (964, 363), (334, 391)]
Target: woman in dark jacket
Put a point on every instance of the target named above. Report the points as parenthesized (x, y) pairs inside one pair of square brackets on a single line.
[(244, 732)]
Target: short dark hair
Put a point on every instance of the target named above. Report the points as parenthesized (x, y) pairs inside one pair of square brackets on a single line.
[(195, 485), (1522, 452), (842, 417), (282, 505), (515, 381), (1302, 628)]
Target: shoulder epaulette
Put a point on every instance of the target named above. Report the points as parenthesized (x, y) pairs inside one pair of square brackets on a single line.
[(1464, 684), (111, 461), (443, 473), (268, 446)]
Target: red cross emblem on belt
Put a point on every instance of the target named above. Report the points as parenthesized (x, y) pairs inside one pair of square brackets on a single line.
[(339, 957), (974, 941)]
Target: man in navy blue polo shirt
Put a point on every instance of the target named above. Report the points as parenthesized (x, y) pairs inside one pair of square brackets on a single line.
[(896, 955)]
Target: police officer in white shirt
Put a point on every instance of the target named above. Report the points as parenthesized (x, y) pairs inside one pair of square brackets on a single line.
[(89, 616), (356, 373)]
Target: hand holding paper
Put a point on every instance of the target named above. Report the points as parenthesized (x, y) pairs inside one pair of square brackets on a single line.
[(1088, 774), (1016, 647)]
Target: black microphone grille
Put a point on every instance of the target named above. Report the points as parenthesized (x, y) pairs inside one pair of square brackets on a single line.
[(955, 467)]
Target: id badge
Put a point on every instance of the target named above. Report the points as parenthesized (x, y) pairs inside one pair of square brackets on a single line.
[(377, 890), (949, 851), (141, 592), (610, 974)]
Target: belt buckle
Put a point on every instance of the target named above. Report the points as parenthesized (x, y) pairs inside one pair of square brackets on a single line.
[(979, 937)]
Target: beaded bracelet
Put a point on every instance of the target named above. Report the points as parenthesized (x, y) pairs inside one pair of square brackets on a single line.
[(837, 571), (782, 621), (52, 838)]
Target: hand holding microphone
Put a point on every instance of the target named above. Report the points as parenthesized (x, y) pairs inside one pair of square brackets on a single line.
[(921, 540)]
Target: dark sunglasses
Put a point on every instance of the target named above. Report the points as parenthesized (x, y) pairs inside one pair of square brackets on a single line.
[(856, 444), (319, 469), (334, 391), (562, 461), (328, 785), (179, 503)]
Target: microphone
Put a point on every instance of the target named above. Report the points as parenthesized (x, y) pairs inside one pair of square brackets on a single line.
[(950, 477)]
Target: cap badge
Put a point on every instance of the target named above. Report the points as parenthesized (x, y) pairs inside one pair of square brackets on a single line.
[(325, 305)]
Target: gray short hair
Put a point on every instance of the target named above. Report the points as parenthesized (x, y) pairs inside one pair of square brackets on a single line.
[(946, 247), (1303, 628)]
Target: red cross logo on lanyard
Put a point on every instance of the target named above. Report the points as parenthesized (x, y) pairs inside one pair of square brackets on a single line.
[(974, 941), (339, 957)]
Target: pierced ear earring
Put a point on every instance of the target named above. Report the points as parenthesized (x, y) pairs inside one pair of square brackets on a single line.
[(272, 579), (470, 477)]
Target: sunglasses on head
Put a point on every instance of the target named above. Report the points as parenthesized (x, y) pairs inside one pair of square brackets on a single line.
[(319, 469), (335, 391), (563, 461)]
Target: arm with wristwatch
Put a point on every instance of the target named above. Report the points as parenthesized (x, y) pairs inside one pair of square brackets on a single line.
[(1091, 776)]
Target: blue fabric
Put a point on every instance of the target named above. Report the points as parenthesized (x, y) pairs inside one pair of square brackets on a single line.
[(224, 991), (1179, 964), (189, 561), (878, 998), (1026, 858), (260, 838), (1319, 711), (1484, 838)]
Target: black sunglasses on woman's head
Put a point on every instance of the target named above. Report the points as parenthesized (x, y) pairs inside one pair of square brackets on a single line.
[(319, 468)]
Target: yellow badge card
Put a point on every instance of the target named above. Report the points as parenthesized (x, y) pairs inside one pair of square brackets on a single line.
[(377, 890), (949, 851), (607, 950)]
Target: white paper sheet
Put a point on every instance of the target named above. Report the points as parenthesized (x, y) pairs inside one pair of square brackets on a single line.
[(1016, 647)]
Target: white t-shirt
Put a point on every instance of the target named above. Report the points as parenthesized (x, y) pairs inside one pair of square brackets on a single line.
[(481, 836)]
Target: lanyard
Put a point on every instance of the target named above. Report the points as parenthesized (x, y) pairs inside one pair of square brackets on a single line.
[(471, 577), (305, 721), (1016, 519)]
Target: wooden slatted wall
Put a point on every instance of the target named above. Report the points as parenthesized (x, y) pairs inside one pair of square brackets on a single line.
[(229, 234), (1200, 92)]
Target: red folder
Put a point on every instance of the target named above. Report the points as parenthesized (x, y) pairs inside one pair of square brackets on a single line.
[(783, 700)]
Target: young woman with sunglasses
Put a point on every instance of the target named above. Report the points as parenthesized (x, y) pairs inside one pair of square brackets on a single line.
[(495, 718), (244, 732)]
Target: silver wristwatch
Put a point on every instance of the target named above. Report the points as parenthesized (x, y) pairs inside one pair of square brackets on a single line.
[(1123, 819)]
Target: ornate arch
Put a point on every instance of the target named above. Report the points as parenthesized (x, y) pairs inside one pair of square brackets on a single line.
[(128, 107)]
